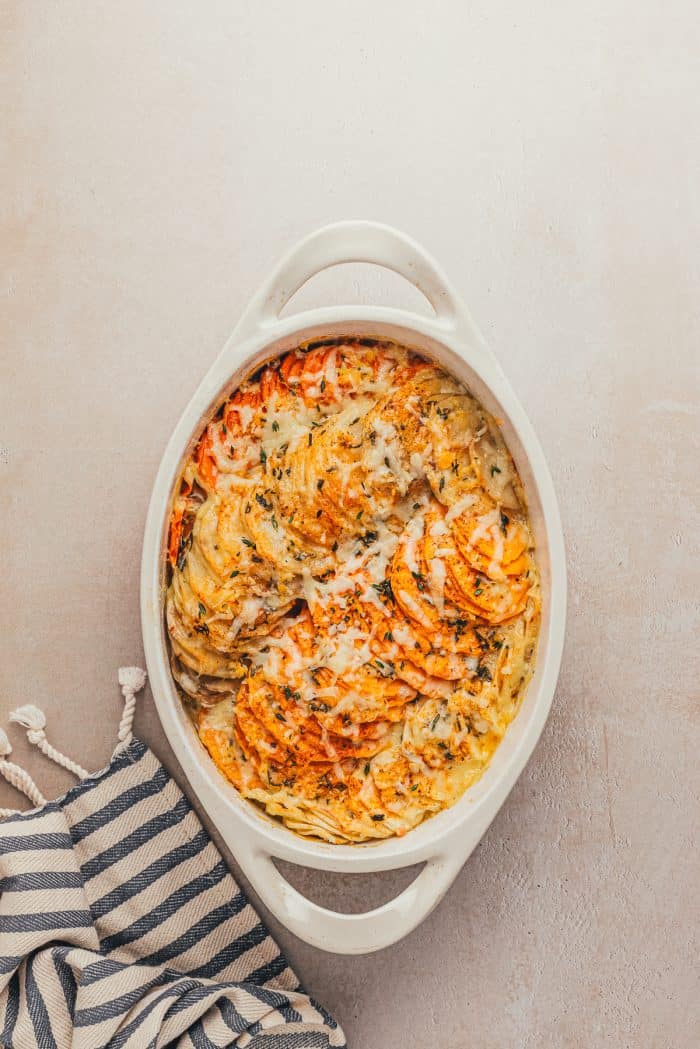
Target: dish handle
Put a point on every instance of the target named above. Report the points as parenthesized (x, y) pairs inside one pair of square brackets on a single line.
[(341, 933), (358, 240)]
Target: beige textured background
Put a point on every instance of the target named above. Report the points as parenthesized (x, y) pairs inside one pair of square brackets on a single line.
[(156, 159)]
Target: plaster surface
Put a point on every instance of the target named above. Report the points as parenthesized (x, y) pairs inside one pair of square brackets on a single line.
[(157, 159)]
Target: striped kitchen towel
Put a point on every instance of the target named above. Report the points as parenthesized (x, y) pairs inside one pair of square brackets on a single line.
[(121, 926)]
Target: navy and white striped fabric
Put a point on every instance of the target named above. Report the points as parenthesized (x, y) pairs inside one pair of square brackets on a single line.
[(120, 926)]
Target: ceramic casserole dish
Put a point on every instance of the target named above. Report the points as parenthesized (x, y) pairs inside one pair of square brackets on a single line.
[(444, 841)]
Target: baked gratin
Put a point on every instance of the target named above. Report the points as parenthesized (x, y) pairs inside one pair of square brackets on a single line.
[(353, 597)]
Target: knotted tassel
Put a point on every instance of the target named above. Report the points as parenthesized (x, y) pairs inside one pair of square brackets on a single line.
[(132, 680), (17, 777), (34, 720)]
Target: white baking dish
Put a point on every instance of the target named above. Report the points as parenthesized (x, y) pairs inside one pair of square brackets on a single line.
[(445, 841)]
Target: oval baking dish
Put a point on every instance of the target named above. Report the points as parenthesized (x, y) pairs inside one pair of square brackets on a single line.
[(444, 841)]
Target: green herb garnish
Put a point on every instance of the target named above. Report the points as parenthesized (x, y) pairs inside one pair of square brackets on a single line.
[(384, 588)]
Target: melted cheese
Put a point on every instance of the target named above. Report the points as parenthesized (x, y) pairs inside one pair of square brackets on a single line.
[(370, 632)]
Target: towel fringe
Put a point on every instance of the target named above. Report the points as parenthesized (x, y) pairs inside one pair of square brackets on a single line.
[(34, 720), (17, 777), (131, 680)]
